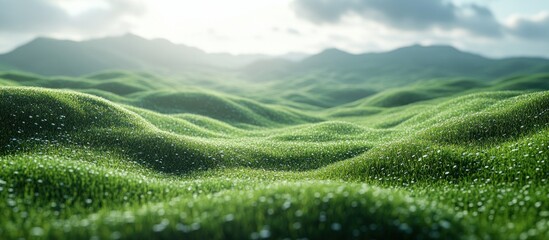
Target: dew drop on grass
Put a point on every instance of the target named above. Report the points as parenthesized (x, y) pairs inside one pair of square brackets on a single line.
[(116, 235), (182, 227), (229, 217), (286, 205), (195, 226), (264, 233), (445, 224), (37, 231), (161, 226), (336, 226), (322, 217)]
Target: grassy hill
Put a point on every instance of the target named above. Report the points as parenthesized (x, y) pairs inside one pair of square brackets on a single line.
[(135, 155)]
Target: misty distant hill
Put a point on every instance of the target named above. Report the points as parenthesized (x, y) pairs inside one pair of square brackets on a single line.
[(130, 52), (62, 57), (403, 65)]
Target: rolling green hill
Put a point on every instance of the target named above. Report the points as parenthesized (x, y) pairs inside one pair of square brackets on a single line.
[(130, 155)]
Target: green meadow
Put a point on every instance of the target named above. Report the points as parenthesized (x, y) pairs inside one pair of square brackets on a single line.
[(132, 155)]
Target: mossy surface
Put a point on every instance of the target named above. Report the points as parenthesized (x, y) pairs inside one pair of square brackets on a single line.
[(119, 156)]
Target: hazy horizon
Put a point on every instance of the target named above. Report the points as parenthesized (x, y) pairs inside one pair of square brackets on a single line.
[(305, 54)]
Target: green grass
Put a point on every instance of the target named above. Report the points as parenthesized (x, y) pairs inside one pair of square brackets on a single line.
[(130, 159)]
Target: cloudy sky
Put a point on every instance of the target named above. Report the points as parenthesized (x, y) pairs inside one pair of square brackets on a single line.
[(494, 28)]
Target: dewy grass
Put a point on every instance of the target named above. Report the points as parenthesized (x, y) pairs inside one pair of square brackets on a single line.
[(474, 165)]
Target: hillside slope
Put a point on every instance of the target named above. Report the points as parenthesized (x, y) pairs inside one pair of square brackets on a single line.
[(80, 166)]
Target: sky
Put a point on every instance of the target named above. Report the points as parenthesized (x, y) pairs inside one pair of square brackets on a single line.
[(495, 28)]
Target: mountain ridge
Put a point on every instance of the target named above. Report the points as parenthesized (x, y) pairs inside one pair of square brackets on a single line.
[(407, 65), (127, 52), (49, 56)]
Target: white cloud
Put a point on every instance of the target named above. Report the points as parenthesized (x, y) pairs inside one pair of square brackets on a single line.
[(534, 27), (271, 26)]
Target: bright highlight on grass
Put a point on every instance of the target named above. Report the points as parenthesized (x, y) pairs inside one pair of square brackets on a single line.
[(144, 162)]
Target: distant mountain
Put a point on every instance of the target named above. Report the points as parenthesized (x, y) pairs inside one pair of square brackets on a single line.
[(130, 52), (293, 56), (403, 65), (62, 57)]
